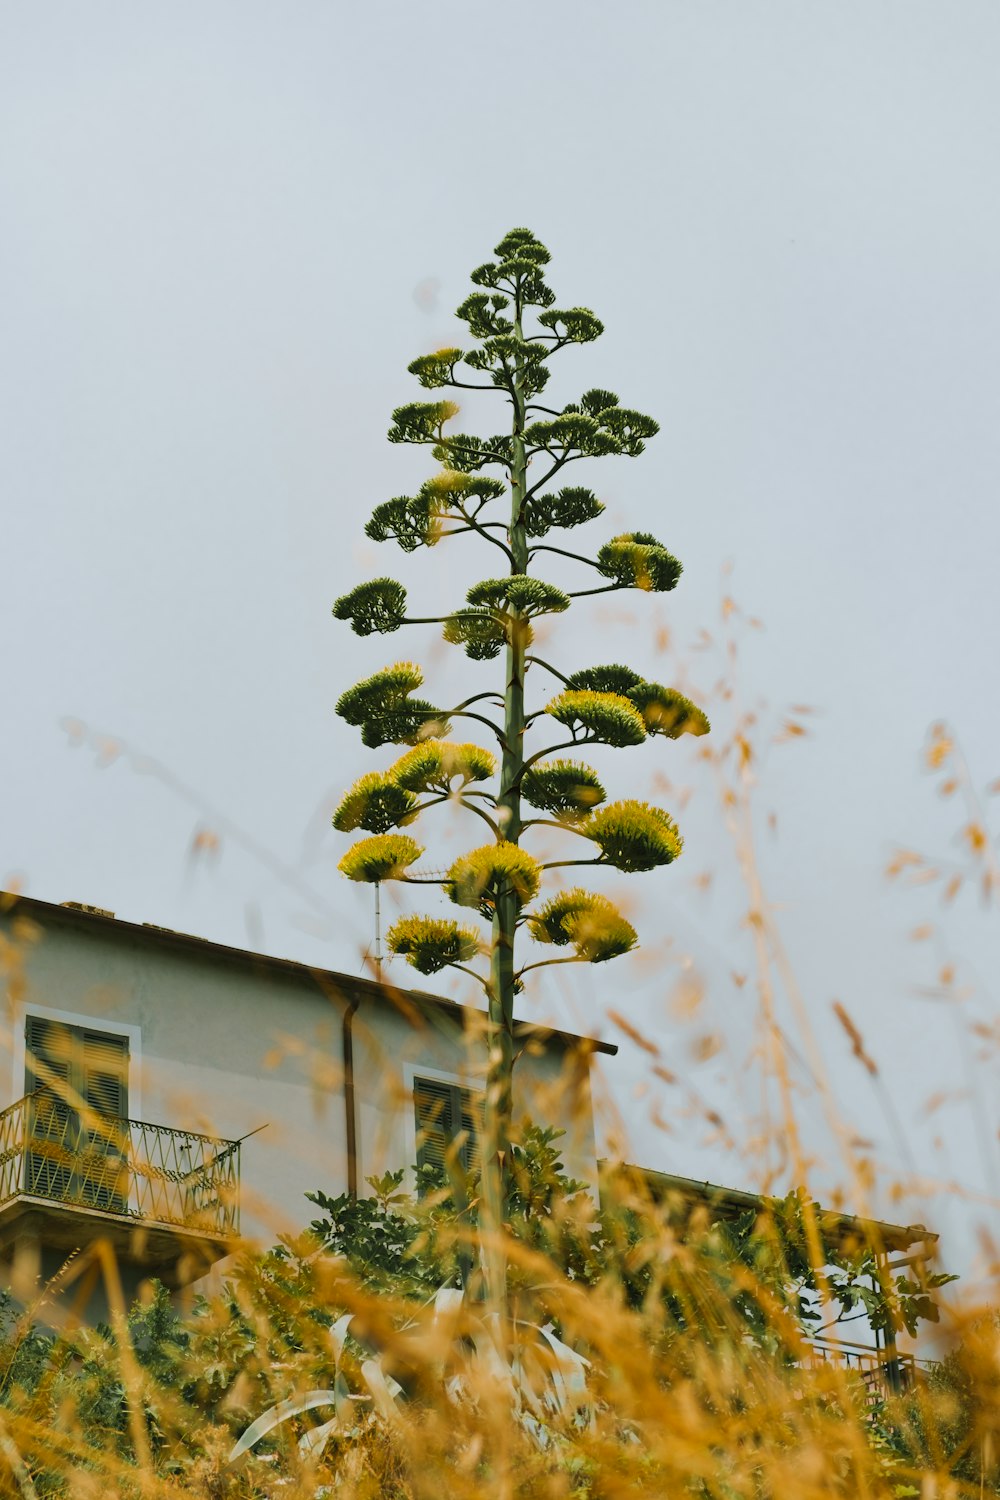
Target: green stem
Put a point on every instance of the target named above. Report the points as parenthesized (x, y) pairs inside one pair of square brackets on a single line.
[(554, 670), (576, 556), (547, 963), (499, 1106), (564, 864), (463, 969), (608, 588), (550, 823)]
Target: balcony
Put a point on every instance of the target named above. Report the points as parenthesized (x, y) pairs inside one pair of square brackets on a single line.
[(884, 1371), (166, 1199)]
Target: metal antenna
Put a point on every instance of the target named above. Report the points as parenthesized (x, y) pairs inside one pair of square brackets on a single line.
[(378, 933)]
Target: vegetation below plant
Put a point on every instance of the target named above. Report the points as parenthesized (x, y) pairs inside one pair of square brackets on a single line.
[(690, 1336)]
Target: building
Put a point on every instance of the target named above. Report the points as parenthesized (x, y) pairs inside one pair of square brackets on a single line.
[(873, 1353), (165, 1095)]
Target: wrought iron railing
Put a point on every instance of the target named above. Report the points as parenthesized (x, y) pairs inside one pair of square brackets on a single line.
[(129, 1168), (884, 1372)]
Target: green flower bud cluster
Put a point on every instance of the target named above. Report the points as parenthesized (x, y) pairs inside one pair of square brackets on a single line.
[(479, 631), (382, 708), (479, 877), (432, 943), (421, 421), (529, 596), (634, 836), (436, 764), (591, 923), (664, 710), (416, 521), (571, 506), (376, 803), (379, 605), (567, 788), (636, 560), (387, 856), (381, 800), (606, 717), (520, 258)]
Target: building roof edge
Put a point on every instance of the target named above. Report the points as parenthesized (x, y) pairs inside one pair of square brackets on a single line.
[(351, 985)]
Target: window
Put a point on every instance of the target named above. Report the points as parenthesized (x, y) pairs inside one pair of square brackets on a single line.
[(78, 1083), (448, 1121)]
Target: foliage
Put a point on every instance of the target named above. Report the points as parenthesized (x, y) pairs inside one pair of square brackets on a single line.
[(691, 1325), (952, 1421)]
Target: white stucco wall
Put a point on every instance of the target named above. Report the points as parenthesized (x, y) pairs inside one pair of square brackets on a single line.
[(225, 1046)]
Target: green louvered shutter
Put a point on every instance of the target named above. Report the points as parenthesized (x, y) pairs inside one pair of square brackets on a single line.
[(76, 1155), (103, 1065), (472, 1125), (446, 1115), (52, 1122), (433, 1105)]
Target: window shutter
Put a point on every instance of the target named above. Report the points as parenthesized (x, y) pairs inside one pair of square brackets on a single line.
[(77, 1147), (52, 1120), (433, 1104), (104, 1081), (472, 1110), (103, 1066), (443, 1113)]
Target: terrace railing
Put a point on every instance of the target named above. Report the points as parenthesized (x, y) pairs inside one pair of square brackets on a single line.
[(884, 1372), (129, 1168)]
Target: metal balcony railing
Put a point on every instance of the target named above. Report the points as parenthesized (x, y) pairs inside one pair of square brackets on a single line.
[(883, 1372), (128, 1168)]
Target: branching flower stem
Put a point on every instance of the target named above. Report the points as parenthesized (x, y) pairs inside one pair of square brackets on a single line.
[(474, 525), (503, 879), (553, 749), (456, 797), (608, 588), (458, 713), (562, 551), (538, 662), (548, 963), (462, 969), (553, 823), (564, 864)]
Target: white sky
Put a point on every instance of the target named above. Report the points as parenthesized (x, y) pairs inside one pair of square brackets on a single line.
[(226, 228)]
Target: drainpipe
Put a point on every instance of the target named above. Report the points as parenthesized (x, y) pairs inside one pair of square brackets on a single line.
[(350, 1114)]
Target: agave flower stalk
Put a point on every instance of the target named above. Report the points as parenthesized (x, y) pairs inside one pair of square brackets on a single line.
[(516, 332)]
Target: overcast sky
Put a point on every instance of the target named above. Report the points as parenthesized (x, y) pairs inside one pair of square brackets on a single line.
[(225, 229)]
